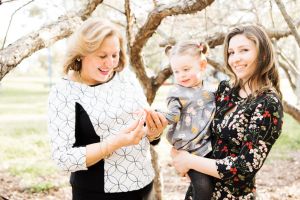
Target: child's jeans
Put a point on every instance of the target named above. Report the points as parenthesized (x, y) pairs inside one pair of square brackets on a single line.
[(201, 187)]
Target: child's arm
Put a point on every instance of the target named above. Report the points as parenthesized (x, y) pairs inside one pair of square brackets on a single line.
[(174, 110)]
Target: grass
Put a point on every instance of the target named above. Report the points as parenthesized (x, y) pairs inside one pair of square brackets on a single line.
[(24, 142)]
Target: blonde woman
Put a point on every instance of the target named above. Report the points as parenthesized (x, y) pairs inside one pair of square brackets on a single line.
[(96, 119)]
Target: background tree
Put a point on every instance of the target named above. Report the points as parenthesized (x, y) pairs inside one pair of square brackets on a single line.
[(150, 25)]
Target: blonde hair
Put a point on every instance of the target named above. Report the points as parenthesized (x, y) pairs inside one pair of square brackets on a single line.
[(192, 48), (87, 39), (266, 75)]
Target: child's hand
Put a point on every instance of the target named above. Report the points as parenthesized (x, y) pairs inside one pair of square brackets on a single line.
[(155, 123)]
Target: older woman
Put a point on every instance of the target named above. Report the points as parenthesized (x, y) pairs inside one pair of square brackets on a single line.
[(96, 119)]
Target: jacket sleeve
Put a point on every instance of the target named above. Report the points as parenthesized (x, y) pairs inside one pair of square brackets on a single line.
[(262, 132), (61, 128), (174, 110)]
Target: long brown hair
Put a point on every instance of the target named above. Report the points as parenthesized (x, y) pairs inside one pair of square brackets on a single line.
[(266, 75), (87, 39)]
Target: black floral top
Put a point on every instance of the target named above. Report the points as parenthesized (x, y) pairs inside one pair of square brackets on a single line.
[(242, 139)]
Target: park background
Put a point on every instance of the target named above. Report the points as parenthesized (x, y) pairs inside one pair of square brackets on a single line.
[(26, 168)]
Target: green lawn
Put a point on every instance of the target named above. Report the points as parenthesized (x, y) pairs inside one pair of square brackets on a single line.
[(24, 142)]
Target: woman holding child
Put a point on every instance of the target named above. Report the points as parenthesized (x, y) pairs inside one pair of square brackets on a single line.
[(248, 118)]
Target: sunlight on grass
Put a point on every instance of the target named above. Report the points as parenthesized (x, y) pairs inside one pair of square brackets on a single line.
[(43, 187)]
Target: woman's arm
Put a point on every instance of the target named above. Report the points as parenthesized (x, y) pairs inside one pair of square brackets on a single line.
[(183, 161), (129, 136), (61, 128), (263, 130)]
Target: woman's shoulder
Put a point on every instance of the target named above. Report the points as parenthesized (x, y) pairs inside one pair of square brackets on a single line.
[(61, 85), (269, 100), (269, 96), (224, 87), (225, 83), (66, 87)]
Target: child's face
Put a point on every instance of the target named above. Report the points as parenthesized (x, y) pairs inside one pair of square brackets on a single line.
[(186, 70)]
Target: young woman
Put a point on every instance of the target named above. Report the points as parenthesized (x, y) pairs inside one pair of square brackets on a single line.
[(96, 122), (248, 117)]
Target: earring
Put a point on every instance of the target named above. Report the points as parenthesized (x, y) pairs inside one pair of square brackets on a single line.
[(77, 64)]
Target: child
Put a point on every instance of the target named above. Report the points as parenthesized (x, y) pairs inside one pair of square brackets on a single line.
[(190, 109)]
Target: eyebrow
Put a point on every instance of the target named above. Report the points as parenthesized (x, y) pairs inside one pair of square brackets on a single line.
[(242, 46)]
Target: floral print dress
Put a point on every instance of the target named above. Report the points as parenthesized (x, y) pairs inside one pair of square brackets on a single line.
[(242, 139)]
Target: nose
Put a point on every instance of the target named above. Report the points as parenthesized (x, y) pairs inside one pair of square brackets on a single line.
[(109, 61), (235, 58), (182, 75)]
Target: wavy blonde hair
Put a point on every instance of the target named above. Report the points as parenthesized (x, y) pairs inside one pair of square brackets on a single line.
[(266, 75), (87, 39)]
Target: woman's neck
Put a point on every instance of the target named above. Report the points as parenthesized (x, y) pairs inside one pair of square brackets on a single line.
[(246, 90)]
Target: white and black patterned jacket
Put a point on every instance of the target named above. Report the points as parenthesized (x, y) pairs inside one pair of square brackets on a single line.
[(110, 108)]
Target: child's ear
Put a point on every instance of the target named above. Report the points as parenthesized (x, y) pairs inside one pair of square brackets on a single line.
[(203, 64)]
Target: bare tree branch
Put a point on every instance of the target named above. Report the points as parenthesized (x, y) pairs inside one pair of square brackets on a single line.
[(129, 20), (148, 29), (11, 17), (110, 6), (291, 65), (292, 110), (13, 54), (155, 3), (7, 1), (288, 74), (288, 20), (218, 66)]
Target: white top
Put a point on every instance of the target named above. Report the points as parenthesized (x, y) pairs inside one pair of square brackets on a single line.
[(110, 107)]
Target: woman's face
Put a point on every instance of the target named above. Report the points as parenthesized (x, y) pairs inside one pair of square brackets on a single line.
[(242, 56), (98, 66)]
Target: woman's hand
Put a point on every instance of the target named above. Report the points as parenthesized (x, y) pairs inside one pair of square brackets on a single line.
[(180, 160), (133, 134), (155, 123)]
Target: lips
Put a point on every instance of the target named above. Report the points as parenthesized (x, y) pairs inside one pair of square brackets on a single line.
[(103, 72), (240, 67), (184, 81)]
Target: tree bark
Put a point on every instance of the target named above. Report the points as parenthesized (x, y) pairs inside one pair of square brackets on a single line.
[(154, 19), (288, 20), (292, 110), (13, 54)]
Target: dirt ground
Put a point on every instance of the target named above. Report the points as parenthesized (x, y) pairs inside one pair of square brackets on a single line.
[(277, 180)]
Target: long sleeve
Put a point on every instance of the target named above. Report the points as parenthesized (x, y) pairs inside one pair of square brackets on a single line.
[(174, 110), (257, 139), (61, 128)]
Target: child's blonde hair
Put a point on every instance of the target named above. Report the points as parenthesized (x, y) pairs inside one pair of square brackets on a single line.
[(192, 48)]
